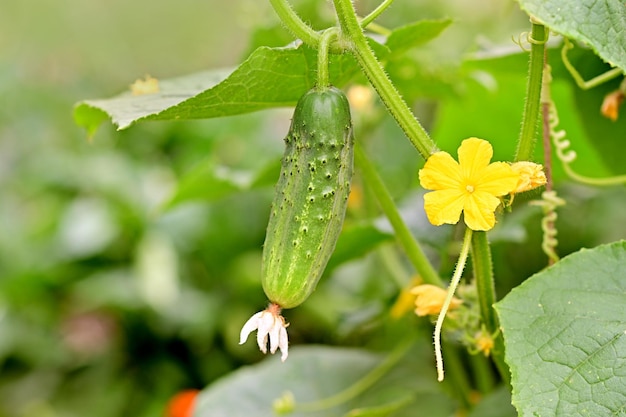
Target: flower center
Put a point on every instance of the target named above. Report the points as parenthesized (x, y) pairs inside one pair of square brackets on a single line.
[(469, 188)]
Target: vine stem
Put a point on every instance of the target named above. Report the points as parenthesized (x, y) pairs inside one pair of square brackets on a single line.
[(485, 287), (295, 25), (356, 41), (411, 246), (456, 278), (537, 39), (375, 13)]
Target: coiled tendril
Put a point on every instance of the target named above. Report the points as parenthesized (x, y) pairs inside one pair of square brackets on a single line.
[(549, 203)]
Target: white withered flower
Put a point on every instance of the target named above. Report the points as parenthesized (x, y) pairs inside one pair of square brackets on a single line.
[(268, 323)]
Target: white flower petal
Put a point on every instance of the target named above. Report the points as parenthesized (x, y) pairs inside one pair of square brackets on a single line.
[(266, 322), (251, 325), (283, 344), (261, 340), (275, 334)]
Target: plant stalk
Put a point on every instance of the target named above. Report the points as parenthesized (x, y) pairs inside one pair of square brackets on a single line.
[(295, 25), (485, 287), (406, 239), (530, 119), (374, 71)]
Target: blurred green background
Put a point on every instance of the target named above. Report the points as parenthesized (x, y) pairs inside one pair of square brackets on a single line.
[(110, 305)]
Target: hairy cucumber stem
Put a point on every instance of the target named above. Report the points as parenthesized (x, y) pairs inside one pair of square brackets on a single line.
[(527, 138), (295, 25), (375, 13), (406, 239), (323, 79), (382, 84)]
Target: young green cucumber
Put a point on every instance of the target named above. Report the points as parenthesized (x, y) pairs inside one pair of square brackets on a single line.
[(310, 198)]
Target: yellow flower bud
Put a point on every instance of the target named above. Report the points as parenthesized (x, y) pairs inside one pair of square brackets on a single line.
[(531, 176), (430, 299)]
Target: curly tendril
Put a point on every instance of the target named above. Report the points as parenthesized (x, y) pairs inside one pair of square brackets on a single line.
[(568, 155), (549, 203)]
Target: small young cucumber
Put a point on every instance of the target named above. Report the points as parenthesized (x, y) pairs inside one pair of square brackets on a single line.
[(310, 198)]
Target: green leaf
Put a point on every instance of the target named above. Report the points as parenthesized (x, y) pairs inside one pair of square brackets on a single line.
[(127, 108), (415, 34), (599, 23), (565, 336), (270, 77), (314, 373)]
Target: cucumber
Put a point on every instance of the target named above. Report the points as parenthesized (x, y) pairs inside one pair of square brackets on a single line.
[(311, 197)]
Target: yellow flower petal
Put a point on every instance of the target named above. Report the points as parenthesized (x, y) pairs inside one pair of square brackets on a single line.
[(479, 211), (430, 299), (474, 156), (444, 206), (440, 172), (498, 179)]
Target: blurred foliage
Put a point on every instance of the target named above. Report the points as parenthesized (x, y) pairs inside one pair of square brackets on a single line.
[(122, 283)]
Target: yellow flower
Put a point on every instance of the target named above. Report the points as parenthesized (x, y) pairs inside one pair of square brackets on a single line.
[(531, 176), (471, 185), (430, 299)]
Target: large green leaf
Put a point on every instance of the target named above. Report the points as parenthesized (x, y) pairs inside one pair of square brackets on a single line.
[(314, 373), (270, 77), (598, 23), (565, 336)]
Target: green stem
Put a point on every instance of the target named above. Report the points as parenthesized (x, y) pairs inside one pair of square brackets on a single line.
[(454, 282), (483, 274), (375, 13), (362, 384), (374, 71), (328, 36), (530, 119), (483, 373), (485, 287), (411, 246), (295, 25)]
